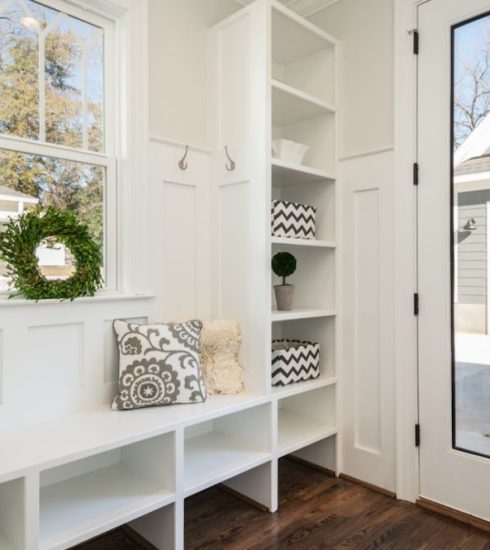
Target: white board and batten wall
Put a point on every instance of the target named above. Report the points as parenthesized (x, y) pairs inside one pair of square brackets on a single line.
[(367, 175)]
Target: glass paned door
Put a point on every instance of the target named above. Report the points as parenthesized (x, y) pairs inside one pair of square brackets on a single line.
[(471, 222), (453, 149)]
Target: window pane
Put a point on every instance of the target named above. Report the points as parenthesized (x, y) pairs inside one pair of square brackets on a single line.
[(51, 76), (471, 222), (29, 180)]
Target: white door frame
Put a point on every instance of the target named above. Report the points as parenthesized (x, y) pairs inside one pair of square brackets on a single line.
[(405, 208), (405, 224)]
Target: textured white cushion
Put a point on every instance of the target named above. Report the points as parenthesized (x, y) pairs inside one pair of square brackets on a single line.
[(158, 364), (220, 343)]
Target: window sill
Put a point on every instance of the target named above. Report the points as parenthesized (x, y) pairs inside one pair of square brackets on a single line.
[(108, 297)]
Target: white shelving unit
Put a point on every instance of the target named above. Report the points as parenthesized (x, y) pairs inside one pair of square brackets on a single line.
[(303, 109), (67, 480)]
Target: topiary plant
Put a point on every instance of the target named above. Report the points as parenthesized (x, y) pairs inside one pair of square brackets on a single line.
[(283, 265)]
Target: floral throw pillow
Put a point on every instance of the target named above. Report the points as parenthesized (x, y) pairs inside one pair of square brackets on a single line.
[(158, 365)]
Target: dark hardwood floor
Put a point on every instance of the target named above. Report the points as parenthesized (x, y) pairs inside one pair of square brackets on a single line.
[(316, 512)]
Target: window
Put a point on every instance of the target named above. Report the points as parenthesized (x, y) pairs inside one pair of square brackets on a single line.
[(471, 236), (56, 118)]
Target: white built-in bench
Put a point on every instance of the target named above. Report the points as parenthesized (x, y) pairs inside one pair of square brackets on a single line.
[(65, 481)]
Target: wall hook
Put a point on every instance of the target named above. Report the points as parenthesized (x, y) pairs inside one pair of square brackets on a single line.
[(183, 165), (231, 165)]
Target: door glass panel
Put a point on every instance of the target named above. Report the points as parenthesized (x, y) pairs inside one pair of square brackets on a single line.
[(471, 239)]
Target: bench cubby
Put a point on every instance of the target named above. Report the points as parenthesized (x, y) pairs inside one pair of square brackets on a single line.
[(305, 418), (86, 497), (12, 515), (225, 447)]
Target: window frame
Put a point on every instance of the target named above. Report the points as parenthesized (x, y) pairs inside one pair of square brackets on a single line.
[(108, 159)]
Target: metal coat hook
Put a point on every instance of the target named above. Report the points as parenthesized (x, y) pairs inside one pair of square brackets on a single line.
[(183, 165), (231, 165)]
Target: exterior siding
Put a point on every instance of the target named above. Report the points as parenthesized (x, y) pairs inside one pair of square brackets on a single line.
[(472, 248)]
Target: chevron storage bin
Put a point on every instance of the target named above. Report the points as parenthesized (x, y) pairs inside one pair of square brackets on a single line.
[(294, 361), (293, 220)]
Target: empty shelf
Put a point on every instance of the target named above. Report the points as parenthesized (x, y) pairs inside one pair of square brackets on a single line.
[(285, 173), (214, 457), (302, 314), (297, 431), (302, 387), (82, 507), (290, 105), (313, 243)]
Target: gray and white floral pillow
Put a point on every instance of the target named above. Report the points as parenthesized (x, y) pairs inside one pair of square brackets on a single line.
[(158, 364)]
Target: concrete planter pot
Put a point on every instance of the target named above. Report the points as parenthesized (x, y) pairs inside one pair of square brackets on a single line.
[(284, 297)]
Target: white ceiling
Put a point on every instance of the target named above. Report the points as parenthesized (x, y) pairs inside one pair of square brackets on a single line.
[(303, 7)]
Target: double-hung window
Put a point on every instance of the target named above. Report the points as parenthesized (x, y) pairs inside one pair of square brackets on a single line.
[(57, 126)]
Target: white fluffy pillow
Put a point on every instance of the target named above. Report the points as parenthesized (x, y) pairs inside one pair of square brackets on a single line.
[(220, 343)]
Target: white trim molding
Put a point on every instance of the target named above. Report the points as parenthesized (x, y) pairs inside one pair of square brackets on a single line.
[(305, 8), (405, 209)]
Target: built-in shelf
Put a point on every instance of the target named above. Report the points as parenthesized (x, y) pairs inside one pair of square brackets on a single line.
[(76, 509), (322, 381), (313, 243), (285, 173), (290, 105), (297, 431), (214, 457), (295, 37), (301, 314)]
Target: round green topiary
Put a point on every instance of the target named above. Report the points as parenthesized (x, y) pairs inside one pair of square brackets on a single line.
[(20, 240), (283, 265)]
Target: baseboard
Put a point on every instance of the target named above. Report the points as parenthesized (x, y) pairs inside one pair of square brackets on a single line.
[(370, 486), (311, 465), (243, 498), (463, 517)]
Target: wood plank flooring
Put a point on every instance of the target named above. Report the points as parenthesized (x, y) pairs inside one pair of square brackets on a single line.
[(316, 512)]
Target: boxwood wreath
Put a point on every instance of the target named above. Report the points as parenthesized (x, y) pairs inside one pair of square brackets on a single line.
[(20, 240)]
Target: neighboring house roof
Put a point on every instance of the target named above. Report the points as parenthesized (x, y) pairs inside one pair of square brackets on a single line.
[(477, 144), (474, 165), (7, 193)]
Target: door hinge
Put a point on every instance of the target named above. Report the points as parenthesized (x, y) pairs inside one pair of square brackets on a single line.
[(415, 173), (417, 435), (416, 306), (416, 42)]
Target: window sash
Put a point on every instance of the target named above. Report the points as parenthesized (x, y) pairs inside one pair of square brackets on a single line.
[(106, 159)]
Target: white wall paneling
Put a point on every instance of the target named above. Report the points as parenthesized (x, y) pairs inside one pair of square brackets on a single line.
[(366, 72), (58, 357), (240, 198), (179, 65), (180, 231), (368, 354)]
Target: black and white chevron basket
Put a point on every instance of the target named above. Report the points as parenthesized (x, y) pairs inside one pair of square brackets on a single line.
[(293, 220), (294, 361)]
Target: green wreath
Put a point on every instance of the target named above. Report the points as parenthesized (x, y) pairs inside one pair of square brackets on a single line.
[(20, 240)]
